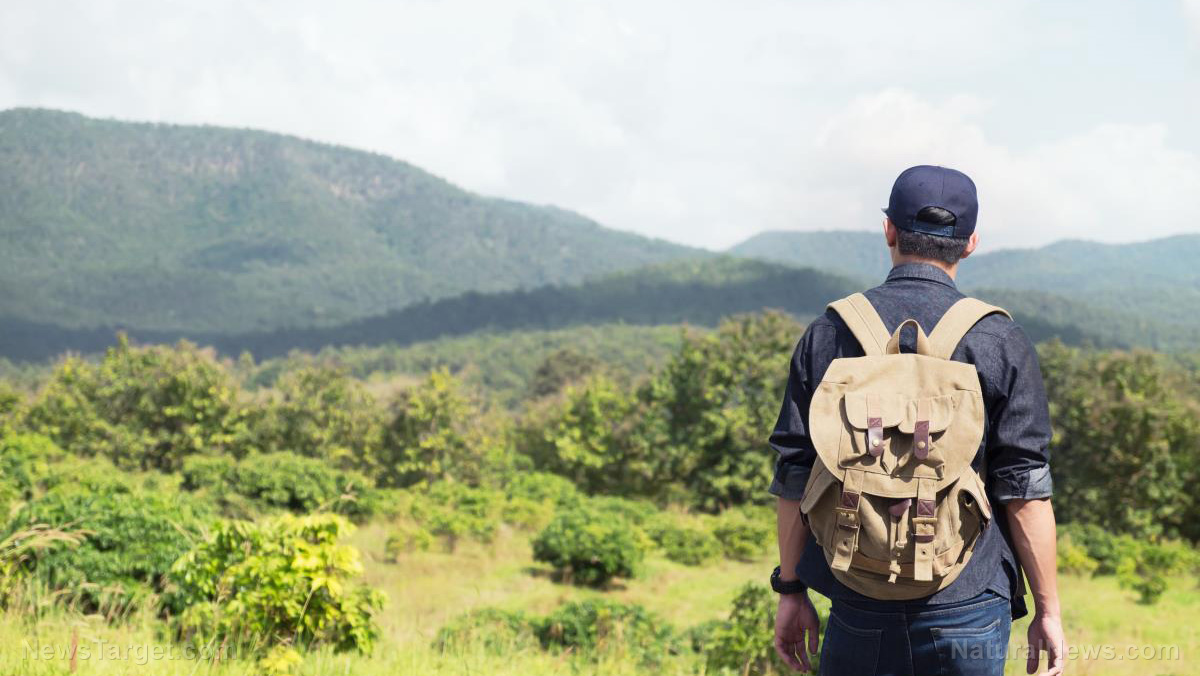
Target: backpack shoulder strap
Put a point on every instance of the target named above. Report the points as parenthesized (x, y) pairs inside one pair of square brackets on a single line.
[(956, 322), (864, 323)]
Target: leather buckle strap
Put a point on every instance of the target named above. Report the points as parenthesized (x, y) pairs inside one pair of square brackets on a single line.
[(846, 538), (925, 529), (874, 426), (921, 430)]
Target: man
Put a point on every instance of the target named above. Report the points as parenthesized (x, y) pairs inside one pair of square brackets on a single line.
[(962, 628)]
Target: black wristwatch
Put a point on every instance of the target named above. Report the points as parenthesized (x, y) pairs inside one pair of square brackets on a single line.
[(788, 587)]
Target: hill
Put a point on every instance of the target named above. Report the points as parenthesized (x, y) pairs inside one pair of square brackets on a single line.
[(189, 228), (1153, 283), (692, 292)]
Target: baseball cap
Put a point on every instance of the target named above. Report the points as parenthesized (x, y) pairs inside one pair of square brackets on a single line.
[(928, 186)]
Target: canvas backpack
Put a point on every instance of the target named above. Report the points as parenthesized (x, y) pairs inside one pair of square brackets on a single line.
[(892, 499)]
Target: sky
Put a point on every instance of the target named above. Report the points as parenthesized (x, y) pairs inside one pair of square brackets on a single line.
[(695, 121)]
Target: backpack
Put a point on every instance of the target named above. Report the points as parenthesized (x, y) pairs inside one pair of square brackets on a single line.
[(892, 499)]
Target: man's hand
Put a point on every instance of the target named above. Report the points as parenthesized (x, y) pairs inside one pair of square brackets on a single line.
[(1045, 633), (796, 617)]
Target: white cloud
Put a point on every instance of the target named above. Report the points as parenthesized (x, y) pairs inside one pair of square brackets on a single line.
[(1109, 183), (702, 122), (1191, 10)]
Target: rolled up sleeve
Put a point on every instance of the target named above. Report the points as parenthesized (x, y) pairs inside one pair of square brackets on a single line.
[(790, 436), (1018, 446)]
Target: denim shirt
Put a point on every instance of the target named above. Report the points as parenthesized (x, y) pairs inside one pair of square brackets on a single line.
[(1016, 432)]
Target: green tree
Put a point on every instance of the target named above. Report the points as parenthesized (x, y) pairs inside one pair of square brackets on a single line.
[(320, 412), (143, 407)]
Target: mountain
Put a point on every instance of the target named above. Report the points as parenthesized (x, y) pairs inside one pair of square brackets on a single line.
[(1151, 284), (854, 253), (186, 228), (693, 292)]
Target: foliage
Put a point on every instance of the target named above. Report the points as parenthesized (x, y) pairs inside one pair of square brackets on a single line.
[(406, 538), (132, 538), (281, 581), (323, 413), (282, 480), (560, 369), (437, 432), (742, 536), (684, 541), (602, 626), (744, 643), (1073, 557), (142, 407), (706, 412), (585, 435), (19, 551), (590, 547), (543, 487), (453, 511), (228, 230), (1127, 441), (496, 631)]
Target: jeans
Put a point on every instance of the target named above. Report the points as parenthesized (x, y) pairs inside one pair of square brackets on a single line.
[(969, 638)]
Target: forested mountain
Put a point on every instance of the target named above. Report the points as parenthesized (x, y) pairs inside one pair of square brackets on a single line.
[(228, 230), (694, 292), (854, 253)]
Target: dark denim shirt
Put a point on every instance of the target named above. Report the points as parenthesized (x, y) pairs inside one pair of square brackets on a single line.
[(1016, 432)]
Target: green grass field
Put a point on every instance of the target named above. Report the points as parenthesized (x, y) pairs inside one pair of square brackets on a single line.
[(427, 589)]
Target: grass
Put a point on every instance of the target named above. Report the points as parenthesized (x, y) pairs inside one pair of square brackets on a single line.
[(427, 589)]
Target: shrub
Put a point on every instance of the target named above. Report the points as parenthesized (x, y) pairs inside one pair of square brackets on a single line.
[(685, 543), (282, 581), (526, 514), (745, 642), (142, 407), (407, 539), (1073, 557), (281, 480), (132, 538), (321, 412), (543, 487), (497, 632), (636, 512), (742, 537), (601, 626), (589, 547), (453, 511)]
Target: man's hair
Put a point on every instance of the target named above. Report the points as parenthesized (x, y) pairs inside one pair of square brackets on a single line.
[(948, 250)]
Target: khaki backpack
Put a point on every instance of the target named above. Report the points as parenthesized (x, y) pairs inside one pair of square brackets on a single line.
[(892, 498)]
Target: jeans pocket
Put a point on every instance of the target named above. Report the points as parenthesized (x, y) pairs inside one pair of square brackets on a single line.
[(849, 651), (973, 650)]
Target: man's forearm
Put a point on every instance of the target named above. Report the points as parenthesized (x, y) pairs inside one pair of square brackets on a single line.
[(793, 534), (1034, 536)]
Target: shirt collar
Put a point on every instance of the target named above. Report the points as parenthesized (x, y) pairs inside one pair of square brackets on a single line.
[(925, 271)]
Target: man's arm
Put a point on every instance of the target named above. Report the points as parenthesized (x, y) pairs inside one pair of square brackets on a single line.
[(796, 619), (1034, 536)]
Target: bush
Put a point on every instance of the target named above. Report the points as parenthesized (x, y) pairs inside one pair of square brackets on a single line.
[(453, 511), (689, 544), (407, 539), (589, 547), (497, 632), (132, 538), (636, 512), (1073, 558), (143, 407), (281, 480), (742, 537), (282, 581), (600, 626), (543, 487), (744, 643)]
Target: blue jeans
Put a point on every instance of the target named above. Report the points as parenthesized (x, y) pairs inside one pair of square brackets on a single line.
[(969, 638)]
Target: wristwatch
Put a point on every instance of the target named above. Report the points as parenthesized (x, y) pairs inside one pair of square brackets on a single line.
[(786, 587)]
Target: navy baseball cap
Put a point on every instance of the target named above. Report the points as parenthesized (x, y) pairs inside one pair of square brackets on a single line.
[(927, 186)]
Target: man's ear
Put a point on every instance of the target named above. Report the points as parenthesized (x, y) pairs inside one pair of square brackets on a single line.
[(889, 233), (972, 242)]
